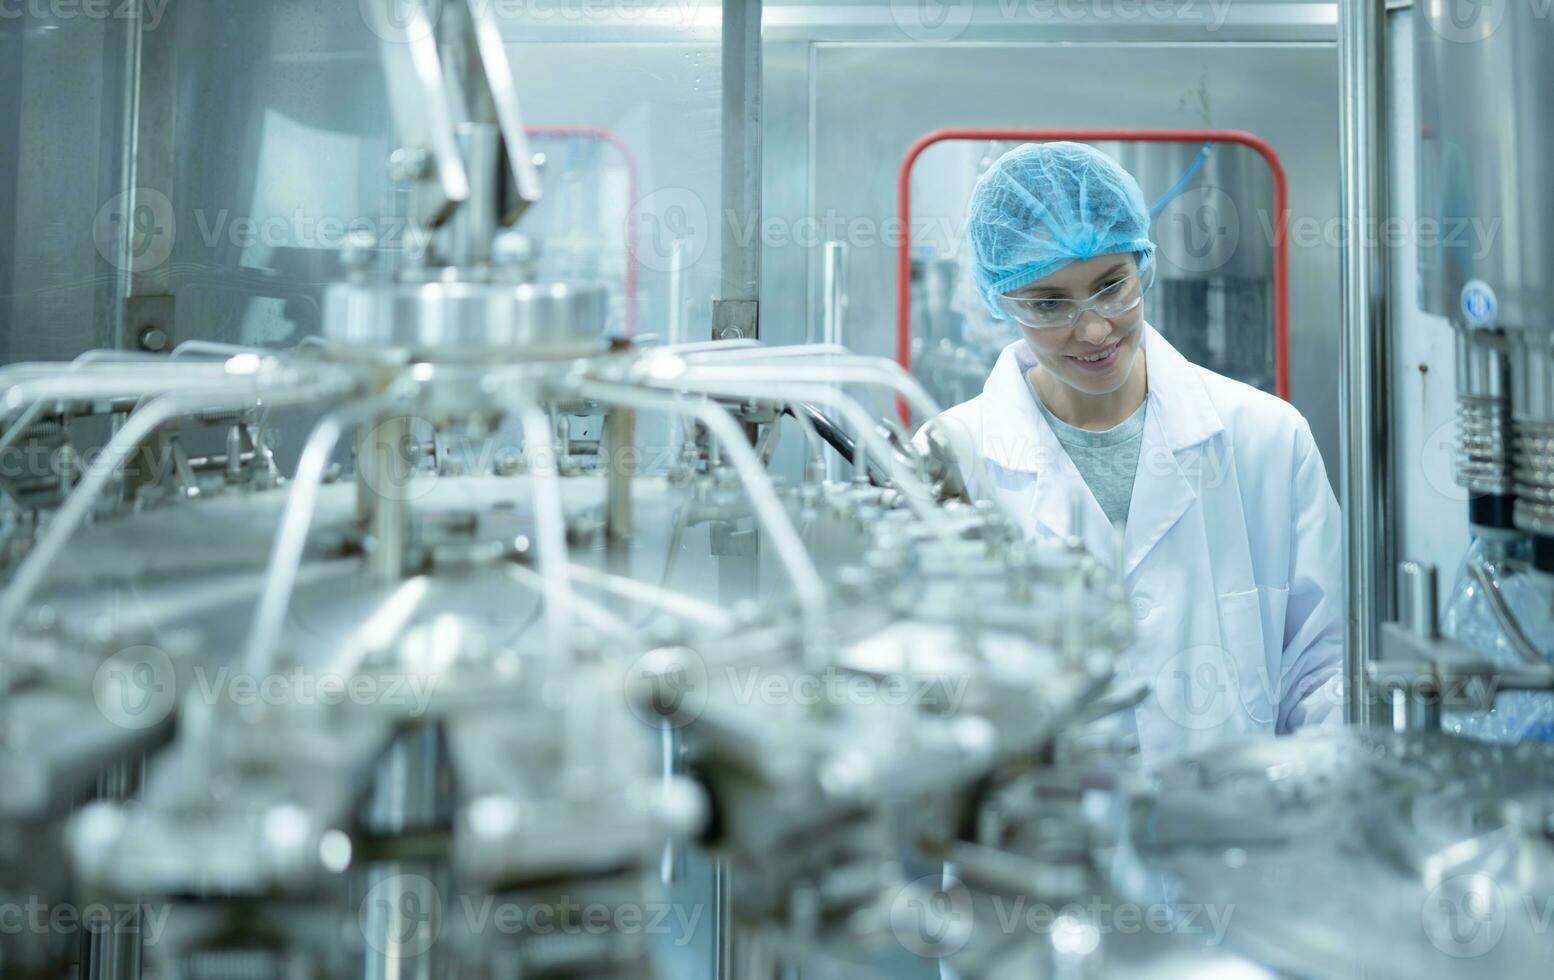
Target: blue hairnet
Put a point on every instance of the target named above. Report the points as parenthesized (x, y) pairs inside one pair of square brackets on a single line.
[(1043, 205)]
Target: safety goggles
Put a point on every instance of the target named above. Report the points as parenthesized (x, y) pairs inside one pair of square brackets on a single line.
[(1051, 313)]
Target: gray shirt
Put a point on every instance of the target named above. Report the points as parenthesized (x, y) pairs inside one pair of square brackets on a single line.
[(1107, 461)]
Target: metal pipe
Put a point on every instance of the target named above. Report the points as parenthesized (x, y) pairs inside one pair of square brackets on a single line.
[(741, 146), (791, 553), (539, 445), (73, 512), (1520, 644), (385, 493), (817, 446), (1366, 473), (280, 576), (635, 590), (619, 449), (916, 493)]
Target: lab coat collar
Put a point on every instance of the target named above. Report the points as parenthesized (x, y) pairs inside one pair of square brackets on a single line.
[(1181, 416), (1015, 433)]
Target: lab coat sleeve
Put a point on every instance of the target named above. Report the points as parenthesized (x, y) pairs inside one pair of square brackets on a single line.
[(1312, 664)]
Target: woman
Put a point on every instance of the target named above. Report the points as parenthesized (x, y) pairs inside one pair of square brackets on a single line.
[(1230, 531)]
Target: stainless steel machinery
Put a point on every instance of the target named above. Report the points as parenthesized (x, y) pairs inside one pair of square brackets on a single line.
[(526, 661)]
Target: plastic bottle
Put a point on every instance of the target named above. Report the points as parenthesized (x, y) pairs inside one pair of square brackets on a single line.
[(1517, 715)]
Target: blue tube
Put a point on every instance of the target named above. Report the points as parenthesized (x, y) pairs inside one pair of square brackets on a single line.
[(1182, 181)]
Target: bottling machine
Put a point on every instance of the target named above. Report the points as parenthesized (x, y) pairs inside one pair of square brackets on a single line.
[(532, 662)]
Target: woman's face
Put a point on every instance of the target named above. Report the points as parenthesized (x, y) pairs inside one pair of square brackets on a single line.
[(1094, 354)]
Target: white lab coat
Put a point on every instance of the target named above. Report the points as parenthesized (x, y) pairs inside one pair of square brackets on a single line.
[(1231, 548)]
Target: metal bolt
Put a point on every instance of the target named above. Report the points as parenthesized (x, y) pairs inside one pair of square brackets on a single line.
[(153, 339)]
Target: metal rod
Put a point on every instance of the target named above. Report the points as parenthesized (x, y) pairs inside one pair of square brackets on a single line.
[(636, 590), (769, 511), (741, 85), (916, 493), (1520, 644), (387, 490), (1365, 436), (280, 577), (539, 446), (73, 512), (619, 467)]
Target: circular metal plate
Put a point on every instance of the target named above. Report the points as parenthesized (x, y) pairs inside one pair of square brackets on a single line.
[(468, 320)]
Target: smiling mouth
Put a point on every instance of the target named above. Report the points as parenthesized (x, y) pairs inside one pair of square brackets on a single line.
[(1098, 356)]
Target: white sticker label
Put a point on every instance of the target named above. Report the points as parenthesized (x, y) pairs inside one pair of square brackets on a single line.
[(1479, 306)]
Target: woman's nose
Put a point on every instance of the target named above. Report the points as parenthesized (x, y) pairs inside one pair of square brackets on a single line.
[(1092, 328)]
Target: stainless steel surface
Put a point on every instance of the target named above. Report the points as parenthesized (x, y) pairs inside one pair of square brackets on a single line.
[(472, 321), (1304, 836), (1532, 430), (741, 142), (1364, 471), (512, 614), (1484, 130), (1483, 464), (1416, 599)]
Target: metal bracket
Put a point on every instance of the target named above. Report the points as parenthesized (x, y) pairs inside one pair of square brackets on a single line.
[(148, 323), (735, 319)]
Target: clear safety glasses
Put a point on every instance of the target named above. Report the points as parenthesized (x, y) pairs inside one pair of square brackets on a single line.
[(1050, 312)]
